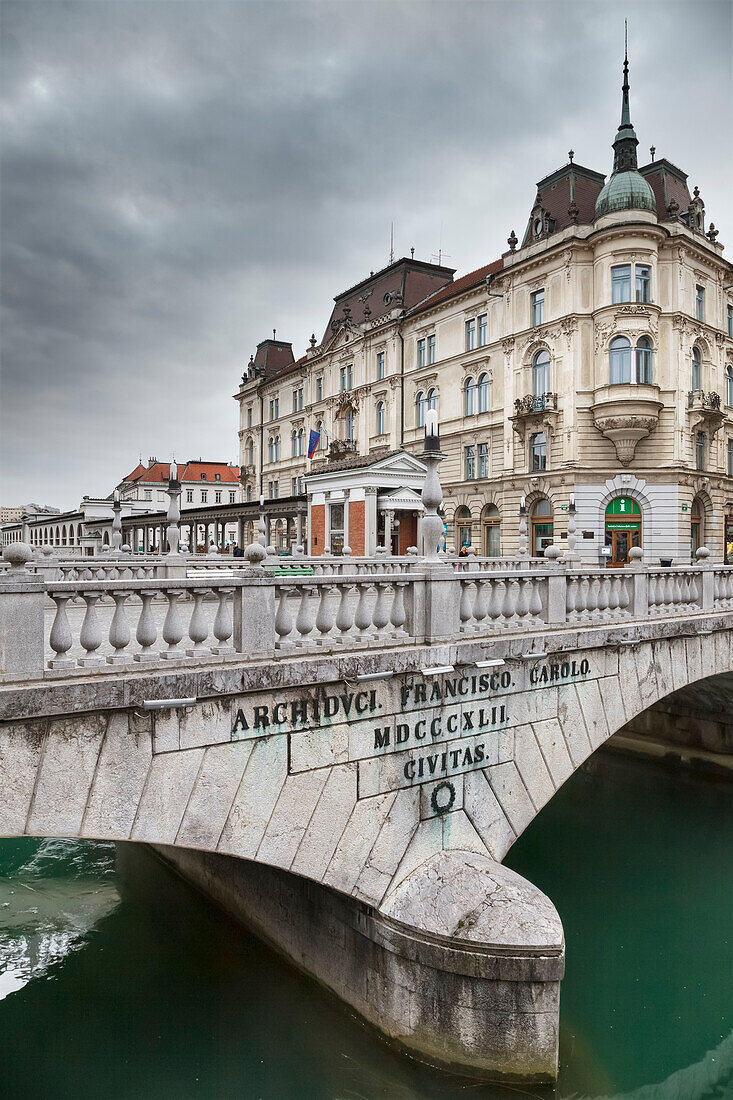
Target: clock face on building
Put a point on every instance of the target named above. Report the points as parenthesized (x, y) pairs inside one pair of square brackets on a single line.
[(538, 227)]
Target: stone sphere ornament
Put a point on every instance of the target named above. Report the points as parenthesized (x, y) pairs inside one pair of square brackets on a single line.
[(702, 553), (636, 554), (255, 553), (552, 552), (17, 554)]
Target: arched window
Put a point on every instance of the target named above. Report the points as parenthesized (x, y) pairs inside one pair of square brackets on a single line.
[(321, 439), (729, 385), (492, 531), (696, 369), (483, 393), (433, 400), (271, 449), (644, 361), (619, 361), (463, 527), (380, 417), (294, 443), (696, 527), (469, 397), (420, 406), (542, 527), (541, 373), (538, 451), (350, 425), (78, 533), (277, 448), (301, 441), (251, 452)]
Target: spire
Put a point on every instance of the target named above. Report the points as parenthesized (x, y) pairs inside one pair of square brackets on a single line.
[(624, 146)]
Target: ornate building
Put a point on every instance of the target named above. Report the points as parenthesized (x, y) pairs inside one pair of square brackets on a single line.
[(591, 365)]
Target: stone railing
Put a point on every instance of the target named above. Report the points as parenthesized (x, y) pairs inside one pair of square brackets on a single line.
[(53, 627), (535, 402), (698, 399)]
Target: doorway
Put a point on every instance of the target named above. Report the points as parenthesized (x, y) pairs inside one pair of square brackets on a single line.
[(623, 530), (542, 527)]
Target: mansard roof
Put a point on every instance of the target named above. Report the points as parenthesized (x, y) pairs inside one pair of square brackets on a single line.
[(458, 286), (669, 184), (273, 356), (556, 194)]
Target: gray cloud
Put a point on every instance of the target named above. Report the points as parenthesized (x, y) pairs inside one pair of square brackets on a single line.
[(178, 178)]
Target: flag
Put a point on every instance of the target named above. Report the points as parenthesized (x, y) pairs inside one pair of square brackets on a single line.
[(313, 441)]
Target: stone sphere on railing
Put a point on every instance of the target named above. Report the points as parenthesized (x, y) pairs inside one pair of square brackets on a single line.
[(702, 553), (255, 553), (47, 551), (636, 554), (126, 548), (552, 552), (17, 554)]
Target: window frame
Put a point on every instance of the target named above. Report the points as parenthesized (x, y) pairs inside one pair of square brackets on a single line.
[(469, 390), (483, 389), (380, 365), (421, 344), (421, 405), (537, 307), (729, 384), (431, 349), (644, 361), (380, 418), (469, 462), (643, 283), (621, 284), (541, 370), (470, 334), (696, 370), (700, 450), (618, 363), (538, 452), (482, 330), (699, 302), (482, 460)]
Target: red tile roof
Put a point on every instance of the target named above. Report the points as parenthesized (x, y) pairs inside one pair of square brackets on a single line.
[(460, 286), (187, 471)]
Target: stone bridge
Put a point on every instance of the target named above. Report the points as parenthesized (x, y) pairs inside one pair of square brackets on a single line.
[(353, 757)]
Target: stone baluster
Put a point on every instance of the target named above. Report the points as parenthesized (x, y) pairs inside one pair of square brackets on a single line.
[(147, 632), (173, 627), (90, 635), (604, 588), (593, 595), (119, 630), (305, 620), (61, 639), (223, 622), (495, 601), (501, 595), (380, 616), (362, 615), (614, 595), (283, 617), (652, 591), (397, 616), (523, 600), (571, 599), (583, 593), (693, 589), (198, 628), (465, 609), (509, 606), (624, 599), (326, 614), (535, 602), (345, 615), (480, 607)]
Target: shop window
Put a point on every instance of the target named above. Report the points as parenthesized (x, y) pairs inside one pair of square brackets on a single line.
[(542, 527)]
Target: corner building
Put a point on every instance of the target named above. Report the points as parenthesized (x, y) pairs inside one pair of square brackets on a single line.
[(593, 361)]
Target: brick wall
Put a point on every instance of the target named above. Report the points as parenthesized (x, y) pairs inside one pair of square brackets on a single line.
[(407, 531), (318, 528), (356, 527)]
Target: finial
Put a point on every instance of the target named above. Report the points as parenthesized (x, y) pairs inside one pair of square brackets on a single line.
[(571, 154), (313, 340), (412, 253), (512, 241), (574, 212), (652, 150), (712, 232)]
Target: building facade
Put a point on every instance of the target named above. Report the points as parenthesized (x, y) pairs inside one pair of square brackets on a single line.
[(591, 365), (202, 484)]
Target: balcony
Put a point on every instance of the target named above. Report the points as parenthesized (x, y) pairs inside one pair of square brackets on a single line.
[(246, 472), (535, 403), (705, 409), (626, 413), (537, 412)]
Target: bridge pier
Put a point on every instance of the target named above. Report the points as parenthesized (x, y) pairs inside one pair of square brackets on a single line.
[(460, 965)]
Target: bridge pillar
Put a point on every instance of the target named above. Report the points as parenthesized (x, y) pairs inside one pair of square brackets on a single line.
[(21, 616)]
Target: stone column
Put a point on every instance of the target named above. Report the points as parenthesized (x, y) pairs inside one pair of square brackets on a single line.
[(388, 517), (370, 521), (240, 532), (347, 547), (327, 524), (299, 529)]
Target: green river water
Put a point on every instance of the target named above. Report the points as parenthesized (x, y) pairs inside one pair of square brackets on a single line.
[(119, 981)]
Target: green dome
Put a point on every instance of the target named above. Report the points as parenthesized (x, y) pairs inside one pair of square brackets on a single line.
[(625, 191)]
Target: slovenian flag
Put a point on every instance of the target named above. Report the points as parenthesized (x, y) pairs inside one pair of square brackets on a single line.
[(313, 440)]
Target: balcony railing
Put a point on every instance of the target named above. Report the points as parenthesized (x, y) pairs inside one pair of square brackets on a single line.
[(708, 402), (534, 403)]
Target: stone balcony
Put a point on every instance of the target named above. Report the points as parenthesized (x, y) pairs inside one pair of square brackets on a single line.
[(705, 409), (626, 413), (246, 472), (535, 412)]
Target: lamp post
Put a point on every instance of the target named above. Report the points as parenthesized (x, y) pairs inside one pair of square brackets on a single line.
[(262, 530), (570, 554), (432, 493), (173, 533), (523, 527)]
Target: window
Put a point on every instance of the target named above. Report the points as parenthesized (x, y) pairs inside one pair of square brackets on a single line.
[(189, 496), (350, 425), (700, 303), (483, 460), (483, 330), (319, 429), (380, 365), (301, 484), (217, 497), (644, 361), (249, 417), (729, 384), (380, 418), (271, 449), (421, 353), (643, 283), (342, 379), (469, 463), (538, 307), (696, 369), (295, 401), (483, 393), (249, 494), (232, 497), (700, 451), (541, 373), (621, 283), (538, 451), (204, 495), (217, 477), (469, 397), (730, 320), (431, 349), (730, 457), (470, 335), (251, 453), (619, 361), (148, 494), (203, 477), (294, 444), (347, 377), (420, 407), (463, 527), (542, 527), (319, 389), (293, 486), (492, 531), (433, 400)]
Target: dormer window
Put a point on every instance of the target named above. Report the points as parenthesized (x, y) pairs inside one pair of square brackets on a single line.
[(203, 477), (217, 477)]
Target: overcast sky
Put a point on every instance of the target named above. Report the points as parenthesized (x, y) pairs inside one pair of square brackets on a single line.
[(181, 177)]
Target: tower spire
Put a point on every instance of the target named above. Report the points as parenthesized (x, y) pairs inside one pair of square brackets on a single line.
[(624, 146)]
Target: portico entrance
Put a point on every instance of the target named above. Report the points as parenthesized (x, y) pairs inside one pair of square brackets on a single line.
[(623, 529)]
